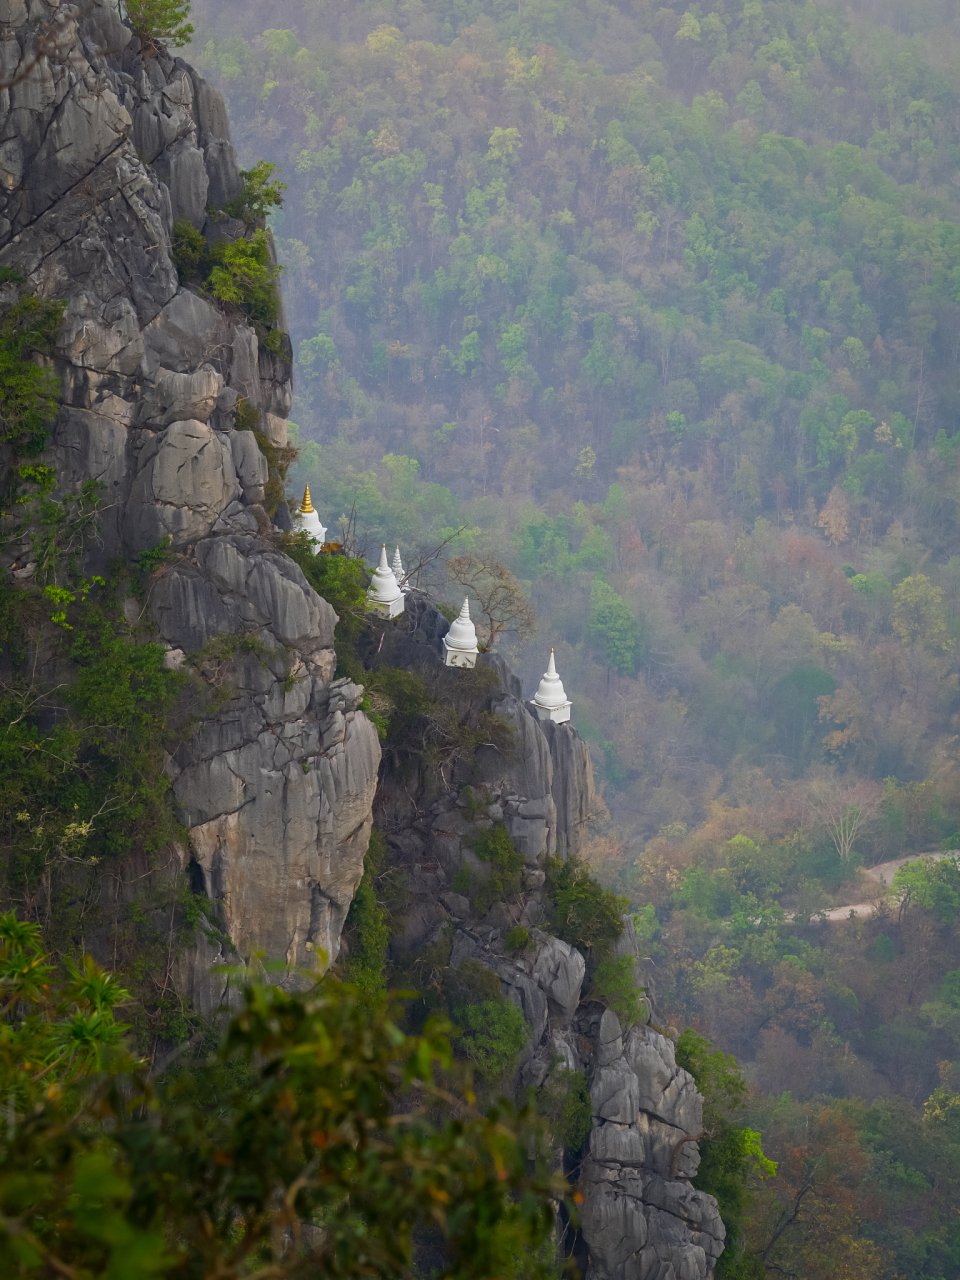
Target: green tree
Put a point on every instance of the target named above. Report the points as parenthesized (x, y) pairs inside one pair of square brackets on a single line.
[(614, 632), (918, 617), (29, 394), (160, 22), (730, 1154)]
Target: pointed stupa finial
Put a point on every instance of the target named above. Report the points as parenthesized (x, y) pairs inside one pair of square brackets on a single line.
[(384, 595), (460, 643), (306, 519), (398, 572), (550, 701)]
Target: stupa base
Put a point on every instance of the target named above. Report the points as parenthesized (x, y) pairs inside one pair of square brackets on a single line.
[(559, 715), (459, 658), (387, 608)]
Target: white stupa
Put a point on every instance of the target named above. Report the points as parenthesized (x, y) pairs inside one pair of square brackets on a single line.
[(308, 520), (384, 595), (398, 572), (550, 702), (460, 642)]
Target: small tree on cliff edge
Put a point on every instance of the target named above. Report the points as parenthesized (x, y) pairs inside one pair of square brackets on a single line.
[(159, 22), (499, 595)]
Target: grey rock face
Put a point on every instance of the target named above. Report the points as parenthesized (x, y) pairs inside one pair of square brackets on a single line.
[(277, 785), (641, 1217), (559, 971)]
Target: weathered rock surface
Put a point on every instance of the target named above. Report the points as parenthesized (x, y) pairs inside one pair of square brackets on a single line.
[(101, 150), (641, 1217), (642, 1220)]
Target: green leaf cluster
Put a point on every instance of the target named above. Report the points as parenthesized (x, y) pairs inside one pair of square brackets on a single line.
[(158, 23), (729, 1153), (239, 273), (29, 392), (582, 911), (261, 193), (495, 848), (325, 1114), (615, 983)]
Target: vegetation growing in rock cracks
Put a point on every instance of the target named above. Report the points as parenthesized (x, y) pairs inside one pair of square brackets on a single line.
[(583, 912), (29, 392), (159, 23)]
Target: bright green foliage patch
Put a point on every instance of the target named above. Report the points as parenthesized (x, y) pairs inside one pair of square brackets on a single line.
[(160, 22), (239, 273), (242, 274), (583, 912), (615, 983), (728, 1152), (495, 848), (493, 1033), (29, 394), (518, 939), (261, 193)]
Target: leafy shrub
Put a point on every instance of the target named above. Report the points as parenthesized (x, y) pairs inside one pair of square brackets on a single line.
[(493, 1033), (237, 272), (472, 983), (615, 984), (188, 251), (159, 22), (29, 395), (408, 696), (496, 848), (340, 580), (366, 925), (518, 939), (259, 194), (462, 880), (81, 765), (583, 912), (242, 274), (728, 1153), (565, 1103), (110, 1175), (246, 417)]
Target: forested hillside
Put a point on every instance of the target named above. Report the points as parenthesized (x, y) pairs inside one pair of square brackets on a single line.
[(662, 305)]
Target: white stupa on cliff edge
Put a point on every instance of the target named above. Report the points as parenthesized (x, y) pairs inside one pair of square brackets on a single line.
[(384, 595), (550, 701), (460, 643), (306, 518), (398, 572)]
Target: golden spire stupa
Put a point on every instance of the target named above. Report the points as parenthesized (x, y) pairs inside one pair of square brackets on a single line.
[(307, 519)]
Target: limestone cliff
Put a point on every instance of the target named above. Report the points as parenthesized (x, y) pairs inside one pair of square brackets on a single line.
[(642, 1219), (101, 149)]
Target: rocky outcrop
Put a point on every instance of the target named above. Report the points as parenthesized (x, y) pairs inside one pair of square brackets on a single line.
[(101, 150), (641, 1217)]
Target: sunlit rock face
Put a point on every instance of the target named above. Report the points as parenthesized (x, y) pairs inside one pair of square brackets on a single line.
[(101, 150)]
